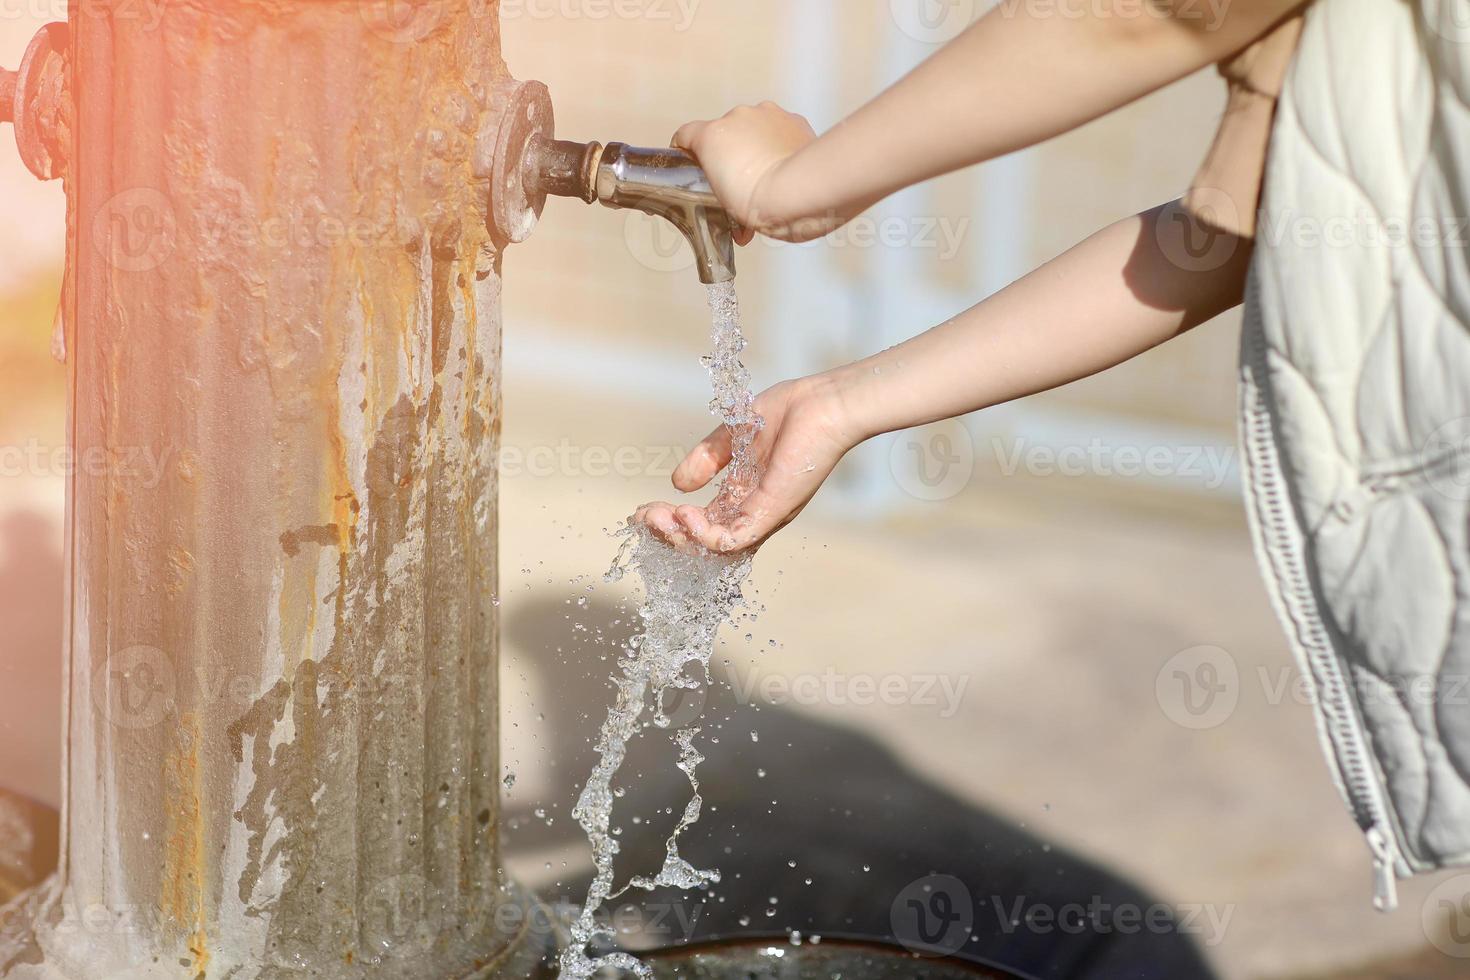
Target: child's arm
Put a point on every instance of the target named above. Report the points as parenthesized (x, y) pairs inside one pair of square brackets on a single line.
[(1021, 74), (1114, 296)]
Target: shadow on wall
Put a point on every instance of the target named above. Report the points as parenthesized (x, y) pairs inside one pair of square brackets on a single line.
[(817, 829), (31, 589)]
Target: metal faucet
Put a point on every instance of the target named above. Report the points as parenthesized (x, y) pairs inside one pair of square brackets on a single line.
[(668, 183)]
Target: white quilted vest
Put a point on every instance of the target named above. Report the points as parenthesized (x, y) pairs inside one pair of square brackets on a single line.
[(1356, 411)]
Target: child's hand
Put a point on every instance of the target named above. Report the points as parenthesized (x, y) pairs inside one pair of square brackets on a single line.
[(741, 152), (807, 432)]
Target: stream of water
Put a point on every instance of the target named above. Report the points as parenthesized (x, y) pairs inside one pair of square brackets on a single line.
[(686, 599)]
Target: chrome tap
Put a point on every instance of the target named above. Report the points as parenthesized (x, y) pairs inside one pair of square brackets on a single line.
[(668, 183)]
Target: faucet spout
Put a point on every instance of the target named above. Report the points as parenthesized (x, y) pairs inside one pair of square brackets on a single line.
[(668, 183)]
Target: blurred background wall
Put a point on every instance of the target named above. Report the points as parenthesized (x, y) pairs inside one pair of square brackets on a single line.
[(912, 263), (32, 420)]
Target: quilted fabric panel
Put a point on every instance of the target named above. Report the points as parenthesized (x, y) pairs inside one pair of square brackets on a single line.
[(1363, 285)]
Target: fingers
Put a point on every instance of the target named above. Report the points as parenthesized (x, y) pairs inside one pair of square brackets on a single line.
[(794, 474), (762, 514), (769, 508), (743, 236), (704, 461), (660, 519), (689, 134), (703, 532)]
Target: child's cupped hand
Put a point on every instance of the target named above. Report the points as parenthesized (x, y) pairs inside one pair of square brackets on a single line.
[(807, 432)]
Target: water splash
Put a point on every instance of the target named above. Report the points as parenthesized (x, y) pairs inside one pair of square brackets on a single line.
[(686, 599)]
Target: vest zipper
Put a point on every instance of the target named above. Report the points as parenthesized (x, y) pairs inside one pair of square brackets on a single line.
[(1272, 513)]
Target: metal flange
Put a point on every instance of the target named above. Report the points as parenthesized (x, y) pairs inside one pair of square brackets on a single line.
[(34, 97), (515, 201)]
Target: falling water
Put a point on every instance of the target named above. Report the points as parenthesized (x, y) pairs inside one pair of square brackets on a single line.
[(686, 598)]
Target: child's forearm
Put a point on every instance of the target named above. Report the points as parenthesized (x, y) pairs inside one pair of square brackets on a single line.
[(1108, 299), (1112, 297), (1017, 77)]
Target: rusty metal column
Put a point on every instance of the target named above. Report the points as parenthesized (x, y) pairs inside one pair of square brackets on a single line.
[(283, 330)]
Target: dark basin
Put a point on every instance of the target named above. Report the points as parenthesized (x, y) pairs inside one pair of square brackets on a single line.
[(829, 960)]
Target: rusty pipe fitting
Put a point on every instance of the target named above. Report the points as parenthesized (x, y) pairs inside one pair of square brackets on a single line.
[(562, 168), (665, 182), (529, 163), (526, 117), (33, 98)]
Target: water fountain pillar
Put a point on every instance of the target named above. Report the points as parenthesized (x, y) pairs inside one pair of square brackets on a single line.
[(281, 320)]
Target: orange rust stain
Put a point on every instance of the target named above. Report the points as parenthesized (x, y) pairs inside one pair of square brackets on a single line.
[(181, 895), (180, 570), (188, 465)]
